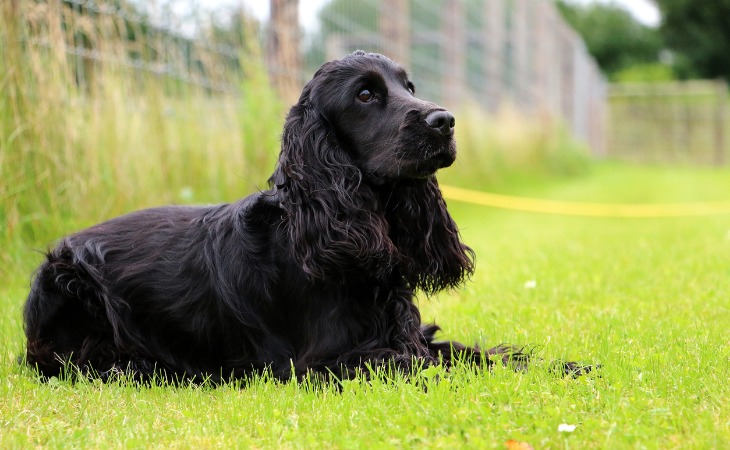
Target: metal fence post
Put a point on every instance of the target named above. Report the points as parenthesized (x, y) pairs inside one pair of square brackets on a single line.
[(284, 57)]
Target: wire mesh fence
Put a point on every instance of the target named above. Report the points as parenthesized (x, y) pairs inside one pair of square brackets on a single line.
[(97, 35), (484, 53), (488, 53), (682, 122)]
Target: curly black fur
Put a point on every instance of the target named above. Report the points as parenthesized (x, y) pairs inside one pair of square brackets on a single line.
[(317, 273)]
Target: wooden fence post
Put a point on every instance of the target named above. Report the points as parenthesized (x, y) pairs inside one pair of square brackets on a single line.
[(453, 49), (494, 35), (284, 57), (394, 23)]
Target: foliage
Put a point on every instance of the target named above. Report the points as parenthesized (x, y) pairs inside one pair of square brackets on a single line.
[(236, 30), (699, 32), (497, 149), (645, 73), (613, 37)]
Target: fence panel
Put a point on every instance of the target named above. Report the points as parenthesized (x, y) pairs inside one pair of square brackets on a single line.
[(484, 52), (683, 122), (98, 35)]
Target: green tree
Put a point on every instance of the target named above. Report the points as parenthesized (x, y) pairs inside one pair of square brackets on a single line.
[(613, 37), (698, 31)]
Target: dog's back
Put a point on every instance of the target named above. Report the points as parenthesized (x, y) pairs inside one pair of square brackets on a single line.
[(144, 265)]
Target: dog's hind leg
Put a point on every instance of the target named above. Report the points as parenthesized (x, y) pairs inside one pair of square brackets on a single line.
[(62, 325)]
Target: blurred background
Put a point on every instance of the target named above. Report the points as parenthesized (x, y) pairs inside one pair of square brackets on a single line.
[(109, 106)]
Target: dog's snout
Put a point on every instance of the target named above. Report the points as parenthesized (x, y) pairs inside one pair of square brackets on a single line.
[(443, 121)]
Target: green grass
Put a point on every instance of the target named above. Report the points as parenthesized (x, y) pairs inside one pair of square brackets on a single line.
[(646, 298)]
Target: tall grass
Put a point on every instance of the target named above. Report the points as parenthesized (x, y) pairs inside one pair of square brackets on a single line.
[(509, 147), (73, 153)]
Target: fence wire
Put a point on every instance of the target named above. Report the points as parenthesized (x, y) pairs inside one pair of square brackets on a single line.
[(670, 123), (97, 36), (488, 53)]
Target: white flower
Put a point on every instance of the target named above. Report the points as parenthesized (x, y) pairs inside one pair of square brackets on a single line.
[(565, 428), (530, 284)]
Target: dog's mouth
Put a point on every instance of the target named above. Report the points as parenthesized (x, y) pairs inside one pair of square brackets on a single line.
[(427, 168), (417, 154), (432, 160), (443, 159), (414, 169), (436, 150)]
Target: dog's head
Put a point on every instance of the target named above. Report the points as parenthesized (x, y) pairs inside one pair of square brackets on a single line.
[(369, 103), (356, 177)]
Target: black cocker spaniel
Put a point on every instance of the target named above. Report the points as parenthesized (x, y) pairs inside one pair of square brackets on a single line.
[(314, 275)]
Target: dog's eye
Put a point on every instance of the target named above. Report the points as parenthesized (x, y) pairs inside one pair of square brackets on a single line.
[(411, 88), (365, 95)]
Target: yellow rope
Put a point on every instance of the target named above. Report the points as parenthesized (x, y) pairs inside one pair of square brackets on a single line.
[(583, 208)]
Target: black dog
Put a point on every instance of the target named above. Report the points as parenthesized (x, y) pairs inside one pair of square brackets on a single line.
[(316, 274)]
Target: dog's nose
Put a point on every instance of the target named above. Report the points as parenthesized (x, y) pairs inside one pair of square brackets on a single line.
[(443, 121)]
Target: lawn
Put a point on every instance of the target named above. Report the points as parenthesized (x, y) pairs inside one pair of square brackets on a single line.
[(648, 299)]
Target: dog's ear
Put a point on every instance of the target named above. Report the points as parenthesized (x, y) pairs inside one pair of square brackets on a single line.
[(331, 218), (432, 253)]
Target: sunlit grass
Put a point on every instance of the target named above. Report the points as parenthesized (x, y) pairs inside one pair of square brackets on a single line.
[(510, 148), (646, 298)]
